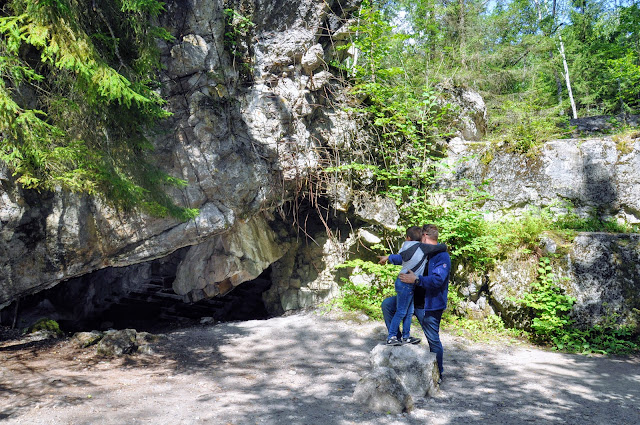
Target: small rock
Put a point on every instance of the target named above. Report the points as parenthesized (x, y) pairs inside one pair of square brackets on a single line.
[(86, 339), (117, 343)]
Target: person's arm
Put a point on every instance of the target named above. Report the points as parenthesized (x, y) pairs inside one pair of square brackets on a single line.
[(391, 258), (395, 259), (434, 280)]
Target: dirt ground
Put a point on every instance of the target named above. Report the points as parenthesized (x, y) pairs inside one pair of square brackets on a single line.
[(302, 369)]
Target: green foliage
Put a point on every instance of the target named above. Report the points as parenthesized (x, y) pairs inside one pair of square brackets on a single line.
[(486, 330), (406, 111), (526, 122), (460, 221), (47, 325), (368, 297), (78, 99), (237, 36), (550, 304), (551, 323)]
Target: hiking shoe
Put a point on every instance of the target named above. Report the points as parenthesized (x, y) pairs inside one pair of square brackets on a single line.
[(411, 340), (394, 341)]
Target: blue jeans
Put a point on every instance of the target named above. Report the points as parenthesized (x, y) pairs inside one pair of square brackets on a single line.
[(403, 310), (430, 322)]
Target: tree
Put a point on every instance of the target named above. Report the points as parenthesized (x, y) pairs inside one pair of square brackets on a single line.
[(77, 99)]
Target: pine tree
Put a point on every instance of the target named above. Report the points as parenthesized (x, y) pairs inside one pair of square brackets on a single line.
[(78, 99)]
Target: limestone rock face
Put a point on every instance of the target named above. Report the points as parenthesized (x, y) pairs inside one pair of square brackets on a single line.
[(218, 265), (600, 270), (306, 275), (241, 136), (592, 175), (471, 121), (603, 270)]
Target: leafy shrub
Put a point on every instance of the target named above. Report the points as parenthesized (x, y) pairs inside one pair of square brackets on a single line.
[(368, 297), (551, 323), (47, 325)]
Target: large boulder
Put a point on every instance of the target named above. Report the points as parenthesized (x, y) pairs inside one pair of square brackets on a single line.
[(415, 365), (382, 391), (399, 375)]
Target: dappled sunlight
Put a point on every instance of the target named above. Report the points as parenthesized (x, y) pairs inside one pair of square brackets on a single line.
[(303, 369)]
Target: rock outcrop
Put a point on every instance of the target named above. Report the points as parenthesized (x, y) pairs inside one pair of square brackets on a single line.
[(591, 176), (247, 127), (599, 269), (399, 375), (586, 177)]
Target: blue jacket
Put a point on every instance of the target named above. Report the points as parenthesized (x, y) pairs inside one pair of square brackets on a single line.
[(436, 281)]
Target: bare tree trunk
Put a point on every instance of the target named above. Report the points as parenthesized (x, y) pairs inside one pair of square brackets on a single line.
[(567, 79)]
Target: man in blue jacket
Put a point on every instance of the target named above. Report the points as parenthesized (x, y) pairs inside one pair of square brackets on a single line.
[(435, 284)]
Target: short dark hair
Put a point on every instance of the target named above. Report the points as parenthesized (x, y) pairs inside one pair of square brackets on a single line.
[(414, 233), (431, 231)]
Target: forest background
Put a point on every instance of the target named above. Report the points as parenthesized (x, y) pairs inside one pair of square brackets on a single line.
[(536, 64), (78, 105)]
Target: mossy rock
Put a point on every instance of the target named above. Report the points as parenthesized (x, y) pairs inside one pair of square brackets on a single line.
[(46, 325), (86, 339)]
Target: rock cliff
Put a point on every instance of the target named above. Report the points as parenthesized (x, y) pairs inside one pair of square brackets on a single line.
[(256, 113), (251, 111), (589, 177)]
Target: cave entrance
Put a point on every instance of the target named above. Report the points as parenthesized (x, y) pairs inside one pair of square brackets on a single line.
[(139, 297)]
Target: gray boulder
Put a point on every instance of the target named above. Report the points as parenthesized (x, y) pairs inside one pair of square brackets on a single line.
[(382, 391), (415, 366), (118, 343)]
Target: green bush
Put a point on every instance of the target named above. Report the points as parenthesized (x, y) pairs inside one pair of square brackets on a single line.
[(368, 297), (552, 325), (47, 325)]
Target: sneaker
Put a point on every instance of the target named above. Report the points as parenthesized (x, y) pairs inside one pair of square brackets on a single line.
[(411, 340), (393, 341)]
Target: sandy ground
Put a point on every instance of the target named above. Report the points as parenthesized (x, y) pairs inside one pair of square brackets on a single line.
[(302, 369)]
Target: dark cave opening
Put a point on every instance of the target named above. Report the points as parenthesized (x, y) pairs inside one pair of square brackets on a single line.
[(138, 297)]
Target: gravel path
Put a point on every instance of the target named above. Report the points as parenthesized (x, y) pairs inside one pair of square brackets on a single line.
[(302, 369)]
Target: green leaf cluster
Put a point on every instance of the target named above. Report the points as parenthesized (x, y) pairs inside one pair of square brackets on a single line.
[(551, 322), (368, 297), (78, 99)]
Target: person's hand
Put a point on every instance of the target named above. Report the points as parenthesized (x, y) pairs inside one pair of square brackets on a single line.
[(382, 259), (409, 277)]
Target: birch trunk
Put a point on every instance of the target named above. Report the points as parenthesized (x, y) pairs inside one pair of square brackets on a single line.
[(567, 79)]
